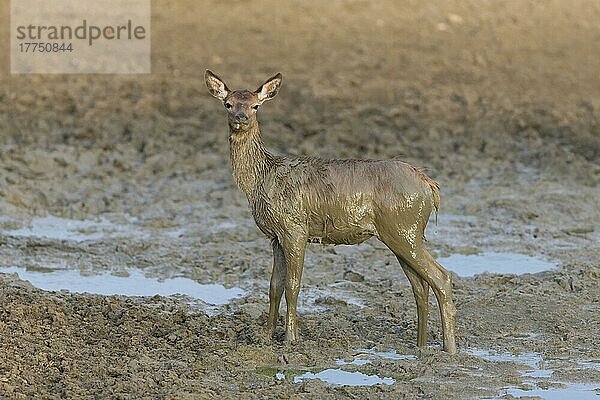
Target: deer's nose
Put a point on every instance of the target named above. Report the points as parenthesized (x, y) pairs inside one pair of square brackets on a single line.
[(241, 117)]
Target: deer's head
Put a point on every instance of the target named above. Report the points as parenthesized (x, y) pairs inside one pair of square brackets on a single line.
[(241, 105)]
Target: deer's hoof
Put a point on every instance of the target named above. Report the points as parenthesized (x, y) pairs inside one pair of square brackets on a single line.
[(291, 337)]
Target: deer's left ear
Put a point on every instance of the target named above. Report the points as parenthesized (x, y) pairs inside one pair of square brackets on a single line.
[(269, 89)]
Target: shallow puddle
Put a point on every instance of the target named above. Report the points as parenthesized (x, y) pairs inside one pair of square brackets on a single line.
[(56, 228), (592, 364), (537, 369), (493, 262), (345, 378), (571, 391), (136, 284), (338, 376), (534, 361)]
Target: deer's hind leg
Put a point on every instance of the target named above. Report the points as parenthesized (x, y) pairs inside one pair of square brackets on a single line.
[(425, 266), (443, 293), (420, 289), (276, 287)]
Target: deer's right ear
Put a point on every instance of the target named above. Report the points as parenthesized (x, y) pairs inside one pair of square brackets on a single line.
[(215, 85)]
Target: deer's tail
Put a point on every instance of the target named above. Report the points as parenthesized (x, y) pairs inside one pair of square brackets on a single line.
[(435, 189), (435, 193)]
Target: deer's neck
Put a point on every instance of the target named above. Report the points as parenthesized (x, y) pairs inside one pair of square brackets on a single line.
[(250, 160)]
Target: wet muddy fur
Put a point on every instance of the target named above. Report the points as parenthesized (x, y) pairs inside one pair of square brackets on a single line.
[(300, 200)]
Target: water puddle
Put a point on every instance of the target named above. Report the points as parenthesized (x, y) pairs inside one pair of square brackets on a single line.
[(534, 361), (530, 359), (345, 378), (341, 377), (592, 364), (498, 263), (571, 391), (537, 368), (56, 228), (136, 284)]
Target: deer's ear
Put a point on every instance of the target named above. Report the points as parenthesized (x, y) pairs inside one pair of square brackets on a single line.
[(215, 85), (269, 89)]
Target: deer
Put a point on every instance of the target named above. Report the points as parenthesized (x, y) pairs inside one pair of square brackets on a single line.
[(297, 200)]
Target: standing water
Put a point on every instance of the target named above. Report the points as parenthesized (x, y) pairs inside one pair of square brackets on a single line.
[(496, 263), (136, 284)]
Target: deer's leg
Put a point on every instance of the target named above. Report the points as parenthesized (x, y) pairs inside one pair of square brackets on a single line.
[(436, 276), (441, 281), (293, 246), (277, 286), (420, 289)]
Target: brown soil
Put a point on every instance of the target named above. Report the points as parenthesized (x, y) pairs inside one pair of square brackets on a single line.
[(499, 100)]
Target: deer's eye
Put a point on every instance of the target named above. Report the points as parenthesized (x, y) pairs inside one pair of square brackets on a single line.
[(255, 106), (228, 106)]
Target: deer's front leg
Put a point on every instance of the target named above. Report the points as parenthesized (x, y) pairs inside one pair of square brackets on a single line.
[(293, 246), (277, 286)]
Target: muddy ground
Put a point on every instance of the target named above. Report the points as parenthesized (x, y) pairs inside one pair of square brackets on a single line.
[(499, 100)]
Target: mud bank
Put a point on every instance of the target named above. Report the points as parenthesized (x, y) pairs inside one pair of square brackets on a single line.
[(116, 176)]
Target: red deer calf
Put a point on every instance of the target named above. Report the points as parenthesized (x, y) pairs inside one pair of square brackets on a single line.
[(297, 200)]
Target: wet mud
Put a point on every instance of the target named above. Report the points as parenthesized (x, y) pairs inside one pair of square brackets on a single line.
[(128, 177)]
